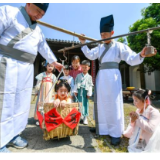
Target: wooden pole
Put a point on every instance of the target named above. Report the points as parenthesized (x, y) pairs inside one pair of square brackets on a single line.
[(99, 41), (65, 31)]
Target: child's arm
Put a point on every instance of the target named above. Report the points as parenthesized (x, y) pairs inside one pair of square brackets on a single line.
[(72, 86), (90, 54), (151, 125), (89, 93), (37, 86), (39, 78), (130, 57), (56, 103), (54, 81), (75, 90), (130, 129)]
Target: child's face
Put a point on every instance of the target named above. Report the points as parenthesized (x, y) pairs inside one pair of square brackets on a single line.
[(66, 72), (62, 92), (105, 35), (138, 103), (75, 64), (50, 68), (85, 69)]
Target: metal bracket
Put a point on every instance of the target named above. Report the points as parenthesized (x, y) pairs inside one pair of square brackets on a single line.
[(64, 57), (149, 37)]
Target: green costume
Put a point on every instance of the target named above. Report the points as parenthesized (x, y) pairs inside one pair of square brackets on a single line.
[(83, 86)]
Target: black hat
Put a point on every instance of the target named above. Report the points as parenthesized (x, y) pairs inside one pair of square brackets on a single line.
[(42, 6), (106, 24)]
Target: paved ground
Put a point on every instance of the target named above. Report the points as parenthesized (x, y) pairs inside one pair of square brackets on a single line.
[(83, 142)]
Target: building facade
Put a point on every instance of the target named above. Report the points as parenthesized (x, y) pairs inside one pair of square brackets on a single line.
[(134, 76), (56, 45)]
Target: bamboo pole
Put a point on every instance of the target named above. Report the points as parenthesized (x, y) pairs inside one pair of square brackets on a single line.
[(65, 31)]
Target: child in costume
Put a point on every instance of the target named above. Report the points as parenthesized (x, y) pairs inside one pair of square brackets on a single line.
[(45, 81), (76, 67), (83, 89), (69, 78), (144, 127), (62, 88)]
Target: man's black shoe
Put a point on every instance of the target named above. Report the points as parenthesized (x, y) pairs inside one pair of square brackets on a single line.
[(115, 141), (93, 130)]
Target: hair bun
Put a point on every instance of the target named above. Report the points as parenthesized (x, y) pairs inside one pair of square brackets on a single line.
[(147, 93)]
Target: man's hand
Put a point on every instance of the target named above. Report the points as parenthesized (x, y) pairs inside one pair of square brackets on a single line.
[(142, 54), (58, 66), (82, 40)]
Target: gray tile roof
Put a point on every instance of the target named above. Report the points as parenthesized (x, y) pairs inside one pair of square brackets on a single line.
[(61, 41)]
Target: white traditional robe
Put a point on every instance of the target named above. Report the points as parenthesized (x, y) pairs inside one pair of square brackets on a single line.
[(16, 76), (110, 114)]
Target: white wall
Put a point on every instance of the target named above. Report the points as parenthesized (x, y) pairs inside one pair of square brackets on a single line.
[(150, 81), (134, 77), (157, 80), (153, 81)]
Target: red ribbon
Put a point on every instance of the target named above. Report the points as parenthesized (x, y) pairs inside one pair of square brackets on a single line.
[(53, 119), (72, 118)]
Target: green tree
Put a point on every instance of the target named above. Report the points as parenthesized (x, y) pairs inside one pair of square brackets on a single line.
[(152, 11), (151, 18), (122, 40)]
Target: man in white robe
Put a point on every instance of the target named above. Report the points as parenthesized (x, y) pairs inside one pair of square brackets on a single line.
[(20, 40), (108, 102)]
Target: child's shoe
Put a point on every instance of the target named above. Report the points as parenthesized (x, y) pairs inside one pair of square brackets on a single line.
[(85, 121)]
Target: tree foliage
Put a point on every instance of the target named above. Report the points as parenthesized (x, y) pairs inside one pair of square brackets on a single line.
[(151, 18), (122, 40)]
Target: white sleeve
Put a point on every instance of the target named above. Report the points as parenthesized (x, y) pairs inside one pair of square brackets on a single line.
[(5, 20), (90, 54), (72, 86), (75, 86), (75, 89), (45, 50), (38, 85), (130, 57), (89, 93)]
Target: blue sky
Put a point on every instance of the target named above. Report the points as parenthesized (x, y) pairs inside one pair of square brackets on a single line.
[(85, 17)]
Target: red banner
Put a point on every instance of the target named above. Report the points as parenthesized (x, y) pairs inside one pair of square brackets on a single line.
[(53, 119)]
